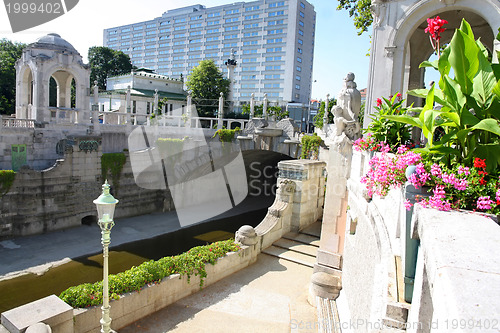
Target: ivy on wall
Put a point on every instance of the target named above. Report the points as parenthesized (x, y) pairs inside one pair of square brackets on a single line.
[(170, 146), (6, 180), (112, 165), (310, 146)]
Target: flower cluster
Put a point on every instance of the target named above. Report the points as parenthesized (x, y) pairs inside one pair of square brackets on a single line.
[(449, 188), (368, 143), (435, 27), (388, 170)]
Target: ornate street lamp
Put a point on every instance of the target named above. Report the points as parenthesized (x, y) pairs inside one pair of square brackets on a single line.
[(105, 204)]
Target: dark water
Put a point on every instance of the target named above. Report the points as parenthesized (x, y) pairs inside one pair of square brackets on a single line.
[(27, 288)]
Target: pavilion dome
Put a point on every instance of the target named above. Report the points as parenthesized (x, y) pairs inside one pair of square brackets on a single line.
[(54, 42)]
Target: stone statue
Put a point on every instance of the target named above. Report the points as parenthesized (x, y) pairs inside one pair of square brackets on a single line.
[(346, 112), (378, 12)]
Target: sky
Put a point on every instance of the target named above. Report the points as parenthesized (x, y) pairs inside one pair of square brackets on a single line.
[(338, 48)]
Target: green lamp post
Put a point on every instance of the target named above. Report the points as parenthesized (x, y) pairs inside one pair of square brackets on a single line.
[(105, 204)]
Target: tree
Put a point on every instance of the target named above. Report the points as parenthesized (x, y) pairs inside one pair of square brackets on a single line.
[(207, 82), (360, 9), (105, 62), (318, 118), (9, 53)]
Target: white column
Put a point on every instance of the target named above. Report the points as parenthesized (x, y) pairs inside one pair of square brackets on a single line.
[(264, 108), (221, 111), (252, 106)]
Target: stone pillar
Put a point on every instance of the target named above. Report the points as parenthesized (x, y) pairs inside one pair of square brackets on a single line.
[(189, 109), (326, 281), (264, 108), (325, 115), (221, 112), (252, 106), (95, 105), (308, 198), (155, 103), (128, 106)]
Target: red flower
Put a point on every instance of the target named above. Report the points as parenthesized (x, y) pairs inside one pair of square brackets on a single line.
[(482, 181), (379, 102), (479, 163), (435, 27)]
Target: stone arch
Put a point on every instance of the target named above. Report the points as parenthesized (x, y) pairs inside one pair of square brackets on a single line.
[(409, 35), (397, 51), (50, 56)]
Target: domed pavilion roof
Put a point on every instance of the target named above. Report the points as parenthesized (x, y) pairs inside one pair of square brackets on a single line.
[(53, 42)]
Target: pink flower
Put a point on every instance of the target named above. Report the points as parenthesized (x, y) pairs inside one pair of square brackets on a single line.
[(435, 27), (463, 170), (484, 203), (436, 170), (379, 102), (407, 204), (497, 195)]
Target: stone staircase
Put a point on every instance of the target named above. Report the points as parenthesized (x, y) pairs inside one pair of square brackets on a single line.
[(299, 247), (302, 248)]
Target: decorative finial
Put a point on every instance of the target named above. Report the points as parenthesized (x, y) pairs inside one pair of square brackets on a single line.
[(105, 187)]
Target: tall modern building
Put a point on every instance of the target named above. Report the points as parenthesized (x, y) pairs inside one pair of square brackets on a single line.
[(273, 43)]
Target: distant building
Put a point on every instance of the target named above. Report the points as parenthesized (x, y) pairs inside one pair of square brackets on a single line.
[(273, 42), (142, 83)]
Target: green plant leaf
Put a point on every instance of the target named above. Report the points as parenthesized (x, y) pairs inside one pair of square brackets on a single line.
[(434, 64), (455, 98), (444, 65), (440, 149), (466, 29), (414, 121), (489, 125), (483, 82), (463, 59)]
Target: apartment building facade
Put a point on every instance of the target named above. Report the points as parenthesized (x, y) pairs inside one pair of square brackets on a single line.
[(273, 42)]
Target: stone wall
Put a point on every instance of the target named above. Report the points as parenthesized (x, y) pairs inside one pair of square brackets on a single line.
[(455, 272), (61, 196)]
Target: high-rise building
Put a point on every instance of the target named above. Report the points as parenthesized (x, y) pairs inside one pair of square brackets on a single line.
[(273, 43)]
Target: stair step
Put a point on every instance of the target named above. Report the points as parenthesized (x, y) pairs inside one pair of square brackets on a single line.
[(313, 230), (299, 258), (291, 245), (328, 315), (302, 238)]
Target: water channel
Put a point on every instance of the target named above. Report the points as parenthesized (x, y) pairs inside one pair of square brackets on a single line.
[(29, 287)]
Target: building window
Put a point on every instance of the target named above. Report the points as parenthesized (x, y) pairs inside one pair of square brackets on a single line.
[(138, 27), (197, 25), (301, 23), (234, 11), (212, 22), (165, 23), (251, 17), (300, 41), (297, 96), (179, 20), (213, 14), (297, 77), (151, 25), (299, 59), (252, 42), (229, 20), (248, 9), (301, 32), (182, 27), (299, 50), (278, 13), (250, 34), (297, 86), (302, 5), (276, 4), (298, 68), (301, 14), (249, 26)]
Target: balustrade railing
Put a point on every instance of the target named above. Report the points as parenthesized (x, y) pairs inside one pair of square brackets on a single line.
[(15, 122)]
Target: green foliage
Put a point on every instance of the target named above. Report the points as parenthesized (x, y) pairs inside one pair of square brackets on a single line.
[(470, 104), (360, 10), (189, 263), (391, 132), (105, 62), (10, 52), (207, 82), (6, 180), (112, 164), (318, 118), (226, 135), (310, 146)]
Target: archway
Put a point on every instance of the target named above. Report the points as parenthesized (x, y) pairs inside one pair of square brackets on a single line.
[(399, 43), (419, 48)]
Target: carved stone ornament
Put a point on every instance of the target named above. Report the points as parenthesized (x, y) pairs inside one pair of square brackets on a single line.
[(346, 112), (287, 186)]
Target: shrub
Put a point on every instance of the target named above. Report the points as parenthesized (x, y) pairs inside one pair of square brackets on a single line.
[(189, 263), (226, 135), (112, 163), (310, 146), (6, 180)]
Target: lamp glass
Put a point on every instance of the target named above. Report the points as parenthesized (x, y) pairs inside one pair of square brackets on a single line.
[(105, 203)]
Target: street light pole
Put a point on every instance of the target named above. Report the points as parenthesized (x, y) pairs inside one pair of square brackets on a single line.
[(105, 204)]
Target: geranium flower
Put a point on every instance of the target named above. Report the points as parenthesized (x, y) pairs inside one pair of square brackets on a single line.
[(379, 102), (435, 27), (479, 163)]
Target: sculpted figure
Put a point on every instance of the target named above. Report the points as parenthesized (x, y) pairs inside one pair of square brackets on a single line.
[(347, 109)]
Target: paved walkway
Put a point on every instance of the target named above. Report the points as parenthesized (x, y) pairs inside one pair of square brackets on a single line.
[(268, 296)]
